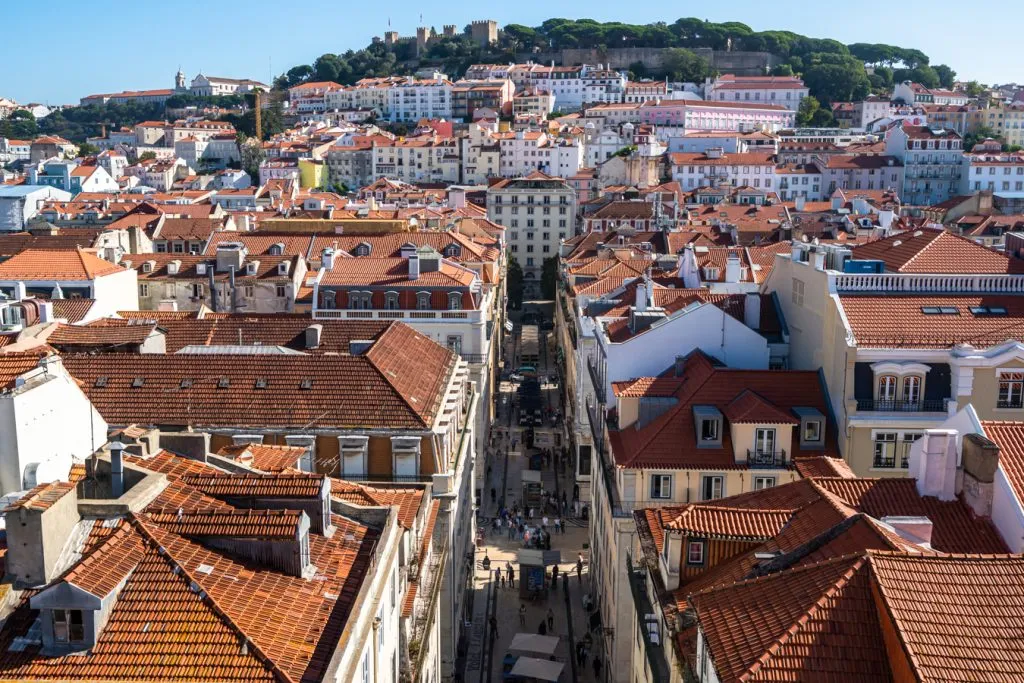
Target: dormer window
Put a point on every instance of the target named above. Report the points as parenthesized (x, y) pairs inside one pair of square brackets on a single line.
[(423, 301), (276, 249), (68, 626), (453, 251), (250, 268), (455, 301), (887, 388), (708, 421), (812, 428), (282, 268), (363, 249), (391, 301)]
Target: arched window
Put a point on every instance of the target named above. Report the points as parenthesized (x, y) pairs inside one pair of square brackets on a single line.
[(354, 300), (887, 388), (391, 301), (911, 389), (423, 301), (330, 300), (454, 301)]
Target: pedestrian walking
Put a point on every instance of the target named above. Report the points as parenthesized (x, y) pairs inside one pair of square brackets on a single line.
[(511, 577), (565, 582), (522, 614), (597, 667), (494, 494), (543, 628), (502, 578), (551, 620), (494, 627), (579, 568), (497, 575)]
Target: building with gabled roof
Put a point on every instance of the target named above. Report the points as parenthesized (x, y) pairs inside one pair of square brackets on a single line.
[(69, 273), (907, 330), (805, 552), (394, 407)]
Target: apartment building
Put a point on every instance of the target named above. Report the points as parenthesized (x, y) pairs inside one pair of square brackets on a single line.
[(427, 159), (690, 115), (538, 212), (230, 282), (718, 588), (414, 99), (69, 274), (714, 167), (406, 414), (904, 339), (932, 161), (786, 91), (525, 151), (862, 172), (997, 172), (699, 432), (1007, 120), (914, 93), (470, 95)]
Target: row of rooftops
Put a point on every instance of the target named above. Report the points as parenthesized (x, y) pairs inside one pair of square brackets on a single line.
[(221, 566)]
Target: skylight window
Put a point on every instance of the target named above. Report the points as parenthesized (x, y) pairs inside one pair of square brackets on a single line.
[(949, 310), (138, 382), (223, 383), (185, 383), (101, 382), (997, 310), (930, 310), (261, 383), (306, 384)]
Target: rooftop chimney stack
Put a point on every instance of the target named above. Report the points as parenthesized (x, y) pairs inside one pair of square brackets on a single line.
[(980, 458), (752, 310), (933, 464), (116, 469)]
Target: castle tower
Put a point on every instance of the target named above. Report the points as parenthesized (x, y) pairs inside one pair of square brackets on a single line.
[(423, 36), (484, 31), (449, 30), (391, 38), (179, 80)]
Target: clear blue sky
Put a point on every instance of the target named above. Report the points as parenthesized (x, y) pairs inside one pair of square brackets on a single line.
[(112, 45)]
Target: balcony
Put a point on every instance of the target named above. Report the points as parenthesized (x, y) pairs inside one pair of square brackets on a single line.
[(597, 381), (653, 645), (767, 459), (885, 406)]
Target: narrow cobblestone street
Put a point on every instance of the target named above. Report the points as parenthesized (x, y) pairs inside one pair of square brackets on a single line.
[(497, 604)]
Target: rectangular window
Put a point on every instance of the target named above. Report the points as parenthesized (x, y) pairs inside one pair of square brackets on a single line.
[(763, 483), (197, 290), (812, 431), (712, 487), (798, 292), (709, 430), (1011, 389), (143, 289), (885, 450), (661, 486), (694, 552), (68, 626), (907, 440)]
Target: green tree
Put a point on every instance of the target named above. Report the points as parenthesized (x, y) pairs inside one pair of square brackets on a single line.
[(812, 115), (549, 277), (979, 135), (681, 64), (146, 156), (946, 75), (85, 149), (782, 70), (20, 125), (514, 284), (836, 78), (974, 89)]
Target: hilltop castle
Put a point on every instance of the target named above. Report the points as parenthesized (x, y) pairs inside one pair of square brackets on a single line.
[(483, 31)]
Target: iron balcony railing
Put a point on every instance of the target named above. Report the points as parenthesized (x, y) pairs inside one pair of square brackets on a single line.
[(597, 381), (900, 406), (763, 458)]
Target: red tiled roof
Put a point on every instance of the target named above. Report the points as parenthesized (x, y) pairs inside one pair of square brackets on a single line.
[(823, 466), (107, 335), (408, 500), (398, 383), (42, 497), (265, 457), (1009, 436), (259, 524), (55, 264), (669, 441), (898, 321), (710, 521), (749, 407), (936, 251), (14, 365), (281, 485)]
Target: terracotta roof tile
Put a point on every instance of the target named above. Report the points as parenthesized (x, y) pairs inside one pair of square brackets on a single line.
[(900, 321), (936, 251), (258, 524), (42, 497), (1009, 436), (282, 485), (56, 264), (264, 457)]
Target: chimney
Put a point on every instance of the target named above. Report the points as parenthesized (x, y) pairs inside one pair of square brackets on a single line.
[(193, 445), (36, 537), (817, 258), (917, 530), (800, 202), (45, 311), (933, 463), (678, 366), (414, 266), (980, 460), (313, 334), (752, 310), (640, 303), (116, 469), (733, 269), (327, 259), (230, 254), (885, 218)]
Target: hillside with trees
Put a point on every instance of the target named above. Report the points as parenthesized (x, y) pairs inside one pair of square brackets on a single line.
[(833, 71)]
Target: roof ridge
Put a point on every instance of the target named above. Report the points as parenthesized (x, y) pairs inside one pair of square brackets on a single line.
[(841, 582), (214, 606)]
